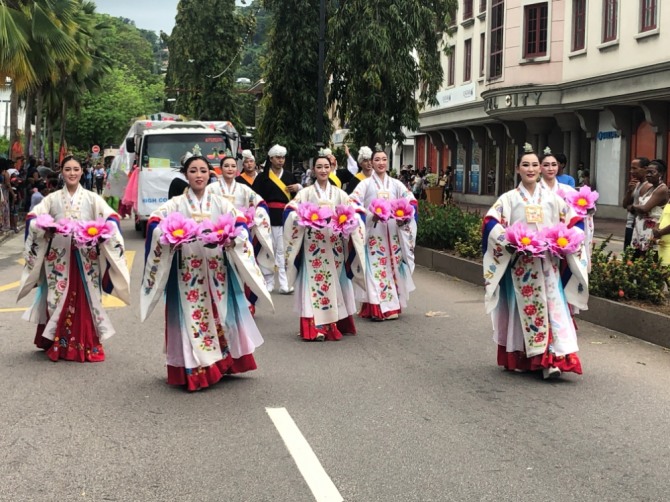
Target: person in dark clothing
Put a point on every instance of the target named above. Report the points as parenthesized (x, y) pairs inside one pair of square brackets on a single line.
[(365, 164), (277, 187)]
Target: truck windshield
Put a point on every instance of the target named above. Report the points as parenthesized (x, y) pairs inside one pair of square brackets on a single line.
[(167, 150)]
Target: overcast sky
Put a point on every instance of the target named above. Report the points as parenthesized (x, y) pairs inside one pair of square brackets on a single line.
[(153, 15)]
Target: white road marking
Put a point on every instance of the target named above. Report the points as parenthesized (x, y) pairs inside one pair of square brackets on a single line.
[(323, 488)]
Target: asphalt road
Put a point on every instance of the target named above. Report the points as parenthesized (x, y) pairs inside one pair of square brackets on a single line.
[(409, 410)]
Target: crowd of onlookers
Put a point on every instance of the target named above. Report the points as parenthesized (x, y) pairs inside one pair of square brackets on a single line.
[(23, 184)]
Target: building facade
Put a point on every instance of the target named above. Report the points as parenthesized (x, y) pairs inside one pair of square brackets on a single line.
[(588, 78)]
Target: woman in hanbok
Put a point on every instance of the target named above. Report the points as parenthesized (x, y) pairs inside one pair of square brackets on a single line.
[(322, 262), (528, 303), (70, 278), (549, 167), (209, 331), (389, 250), (255, 210)]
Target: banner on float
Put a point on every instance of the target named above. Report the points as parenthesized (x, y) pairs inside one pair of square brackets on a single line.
[(152, 187)]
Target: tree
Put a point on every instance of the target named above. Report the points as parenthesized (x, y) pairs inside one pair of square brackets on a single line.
[(291, 74), (382, 55), (104, 115), (204, 54)]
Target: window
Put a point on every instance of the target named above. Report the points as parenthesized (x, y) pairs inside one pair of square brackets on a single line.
[(467, 60), (482, 6), (578, 25), (648, 15), (452, 65), (453, 13), (496, 39), (610, 18), (535, 30), (482, 54), (467, 9)]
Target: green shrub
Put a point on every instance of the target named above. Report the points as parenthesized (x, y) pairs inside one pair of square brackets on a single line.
[(626, 277), (442, 227)]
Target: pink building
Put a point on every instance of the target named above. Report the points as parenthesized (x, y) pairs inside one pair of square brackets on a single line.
[(588, 78)]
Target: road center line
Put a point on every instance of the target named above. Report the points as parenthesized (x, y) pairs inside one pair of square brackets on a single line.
[(323, 488)]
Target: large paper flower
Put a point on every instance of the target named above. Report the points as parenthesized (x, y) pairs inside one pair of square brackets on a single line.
[(344, 220), (45, 222), (250, 215), (525, 240), (562, 240), (177, 230), (220, 232), (381, 208), (65, 226), (312, 216), (583, 200), (90, 233), (402, 210)]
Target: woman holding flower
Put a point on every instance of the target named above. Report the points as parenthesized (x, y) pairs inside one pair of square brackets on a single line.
[(390, 238), (255, 211), (527, 233), (73, 251), (324, 239), (582, 201), (198, 252)]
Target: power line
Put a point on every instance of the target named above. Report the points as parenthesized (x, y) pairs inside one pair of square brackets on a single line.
[(244, 42)]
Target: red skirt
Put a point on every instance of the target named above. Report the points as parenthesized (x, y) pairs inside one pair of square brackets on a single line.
[(201, 378), (332, 331), (374, 311), (519, 361), (76, 338)]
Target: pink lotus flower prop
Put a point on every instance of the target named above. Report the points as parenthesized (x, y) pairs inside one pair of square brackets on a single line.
[(524, 240), (65, 226), (177, 230), (344, 220), (312, 216), (45, 222), (250, 215), (91, 233), (221, 232), (381, 208), (582, 201), (402, 210), (561, 240)]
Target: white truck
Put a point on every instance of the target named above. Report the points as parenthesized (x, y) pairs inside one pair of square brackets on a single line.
[(157, 148)]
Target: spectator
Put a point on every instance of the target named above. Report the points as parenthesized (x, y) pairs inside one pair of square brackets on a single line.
[(99, 175), (39, 192), (649, 208), (637, 183), (566, 179)]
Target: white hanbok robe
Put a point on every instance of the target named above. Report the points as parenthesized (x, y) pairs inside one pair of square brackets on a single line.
[(562, 190), (243, 197), (322, 265), (209, 329), (389, 250), (48, 264), (528, 297)]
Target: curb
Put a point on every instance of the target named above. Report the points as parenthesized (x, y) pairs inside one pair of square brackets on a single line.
[(633, 321), (10, 235)]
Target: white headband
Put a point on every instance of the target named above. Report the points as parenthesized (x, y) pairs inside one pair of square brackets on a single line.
[(277, 151), (246, 154)]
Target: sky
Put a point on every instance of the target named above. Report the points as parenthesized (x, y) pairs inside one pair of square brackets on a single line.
[(155, 15)]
